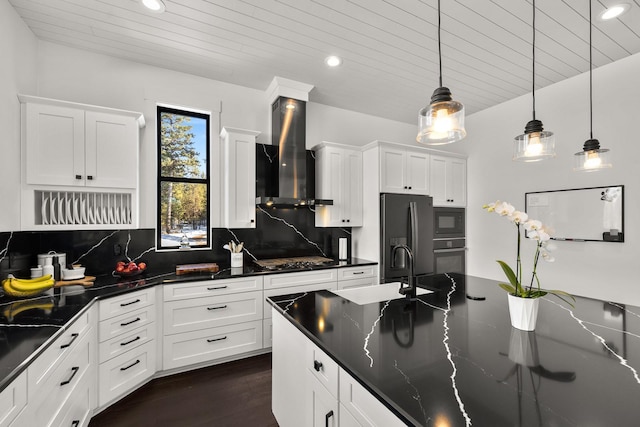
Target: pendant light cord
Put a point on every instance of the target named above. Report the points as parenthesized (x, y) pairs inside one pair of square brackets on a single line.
[(533, 56), (590, 75), (439, 45)]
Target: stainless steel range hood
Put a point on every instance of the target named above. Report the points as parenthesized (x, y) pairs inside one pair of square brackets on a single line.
[(288, 130)]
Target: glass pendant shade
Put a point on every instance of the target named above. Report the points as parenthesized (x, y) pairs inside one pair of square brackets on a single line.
[(442, 121), (534, 144), (592, 157)]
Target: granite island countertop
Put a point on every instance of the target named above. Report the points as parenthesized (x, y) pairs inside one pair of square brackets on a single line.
[(29, 325), (451, 358)]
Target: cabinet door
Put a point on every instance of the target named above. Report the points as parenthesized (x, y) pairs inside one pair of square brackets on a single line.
[(392, 165), (240, 180), (331, 184), (111, 150), (458, 182), (352, 200), (322, 407), (417, 172), (438, 180), (54, 139)]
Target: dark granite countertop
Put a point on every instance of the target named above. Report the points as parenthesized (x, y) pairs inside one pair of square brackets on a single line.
[(28, 325), (452, 358)]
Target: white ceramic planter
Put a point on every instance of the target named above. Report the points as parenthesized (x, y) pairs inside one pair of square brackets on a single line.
[(523, 312)]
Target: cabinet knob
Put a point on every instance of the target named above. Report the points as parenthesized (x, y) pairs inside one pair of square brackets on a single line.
[(343, 220), (317, 365), (409, 188), (90, 177), (252, 221), (78, 176), (405, 187), (348, 220)]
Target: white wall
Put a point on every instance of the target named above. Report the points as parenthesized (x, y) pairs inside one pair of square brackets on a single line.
[(18, 48), (595, 269)]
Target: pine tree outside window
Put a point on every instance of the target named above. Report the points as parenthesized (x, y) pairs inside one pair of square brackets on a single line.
[(183, 179)]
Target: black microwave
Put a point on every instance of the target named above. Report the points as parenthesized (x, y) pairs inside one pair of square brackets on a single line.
[(448, 223)]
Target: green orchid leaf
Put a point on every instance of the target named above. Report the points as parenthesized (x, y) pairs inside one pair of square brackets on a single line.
[(511, 276), (507, 288), (563, 296)]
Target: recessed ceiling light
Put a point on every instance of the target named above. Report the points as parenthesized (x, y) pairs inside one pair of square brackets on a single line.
[(154, 5), (614, 11), (333, 61)]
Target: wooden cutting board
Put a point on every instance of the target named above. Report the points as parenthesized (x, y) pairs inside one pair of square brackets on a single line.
[(207, 267), (85, 281)]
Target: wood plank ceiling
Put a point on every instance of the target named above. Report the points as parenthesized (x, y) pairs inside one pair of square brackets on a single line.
[(389, 47)]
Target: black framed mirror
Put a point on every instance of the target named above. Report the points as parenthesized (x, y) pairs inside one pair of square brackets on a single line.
[(580, 214)]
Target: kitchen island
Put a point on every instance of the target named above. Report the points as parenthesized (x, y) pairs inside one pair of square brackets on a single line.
[(451, 358)]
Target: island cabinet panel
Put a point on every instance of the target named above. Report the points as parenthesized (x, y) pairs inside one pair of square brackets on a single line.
[(362, 406), (13, 399), (322, 405)]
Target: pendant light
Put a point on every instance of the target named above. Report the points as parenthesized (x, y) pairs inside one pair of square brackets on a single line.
[(592, 157), (442, 121), (535, 143)]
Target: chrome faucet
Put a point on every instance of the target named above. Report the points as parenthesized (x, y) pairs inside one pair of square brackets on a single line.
[(410, 290)]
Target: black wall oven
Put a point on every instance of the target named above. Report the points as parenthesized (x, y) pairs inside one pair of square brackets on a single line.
[(449, 243)]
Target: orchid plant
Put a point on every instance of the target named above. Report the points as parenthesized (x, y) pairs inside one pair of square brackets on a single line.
[(541, 235)]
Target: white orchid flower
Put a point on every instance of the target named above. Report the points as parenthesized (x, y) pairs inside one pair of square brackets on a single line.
[(490, 207), (518, 217), (549, 246), (547, 256), (532, 225), (504, 209)]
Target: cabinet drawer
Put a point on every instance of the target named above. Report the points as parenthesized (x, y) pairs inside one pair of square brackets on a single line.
[(126, 303), (357, 272), (357, 283), (179, 291), (44, 365), (210, 344), (76, 410), (123, 373), (201, 313), (294, 290), (54, 392), (363, 406), (303, 278), (12, 399), (125, 342), (119, 325), (324, 368)]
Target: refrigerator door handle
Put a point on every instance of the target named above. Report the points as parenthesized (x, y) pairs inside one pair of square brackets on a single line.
[(413, 221)]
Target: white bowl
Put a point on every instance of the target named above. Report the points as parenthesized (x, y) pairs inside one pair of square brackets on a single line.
[(73, 274)]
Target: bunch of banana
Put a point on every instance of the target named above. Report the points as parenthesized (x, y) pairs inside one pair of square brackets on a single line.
[(26, 287)]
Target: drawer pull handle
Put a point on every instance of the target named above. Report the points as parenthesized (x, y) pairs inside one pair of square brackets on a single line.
[(75, 423), (124, 304), (326, 418), (215, 288), (130, 366), (217, 339), (137, 319), (317, 365), (358, 272), (73, 338), (130, 341), (73, 374), (217, 308)]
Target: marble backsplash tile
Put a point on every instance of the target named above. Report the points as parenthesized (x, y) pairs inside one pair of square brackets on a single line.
[(278, 233)]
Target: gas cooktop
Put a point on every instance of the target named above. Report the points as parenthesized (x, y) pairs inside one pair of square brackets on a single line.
[(292, 263)]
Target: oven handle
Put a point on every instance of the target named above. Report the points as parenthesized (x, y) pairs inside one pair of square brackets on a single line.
[(441, 251)]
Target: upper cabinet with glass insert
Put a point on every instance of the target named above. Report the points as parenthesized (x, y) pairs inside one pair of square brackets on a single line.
[(73, 153)]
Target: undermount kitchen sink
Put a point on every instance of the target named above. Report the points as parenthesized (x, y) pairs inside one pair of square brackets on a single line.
[(376, 293)]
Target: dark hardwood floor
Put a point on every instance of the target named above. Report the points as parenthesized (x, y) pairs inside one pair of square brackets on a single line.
[(235, 394)]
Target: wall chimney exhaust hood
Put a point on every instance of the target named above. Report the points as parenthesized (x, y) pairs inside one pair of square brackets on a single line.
[(289, 178)]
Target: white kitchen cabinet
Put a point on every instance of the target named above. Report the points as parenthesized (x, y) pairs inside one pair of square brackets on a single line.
[(12, 399), (448, 181), (239, 177), (403, 170), (339, 178), (355, 277), (127, 335), (322, 406), (80, 165), (69, 144)]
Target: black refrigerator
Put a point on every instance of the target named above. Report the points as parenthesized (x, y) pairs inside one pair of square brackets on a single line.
[(405, 219)]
